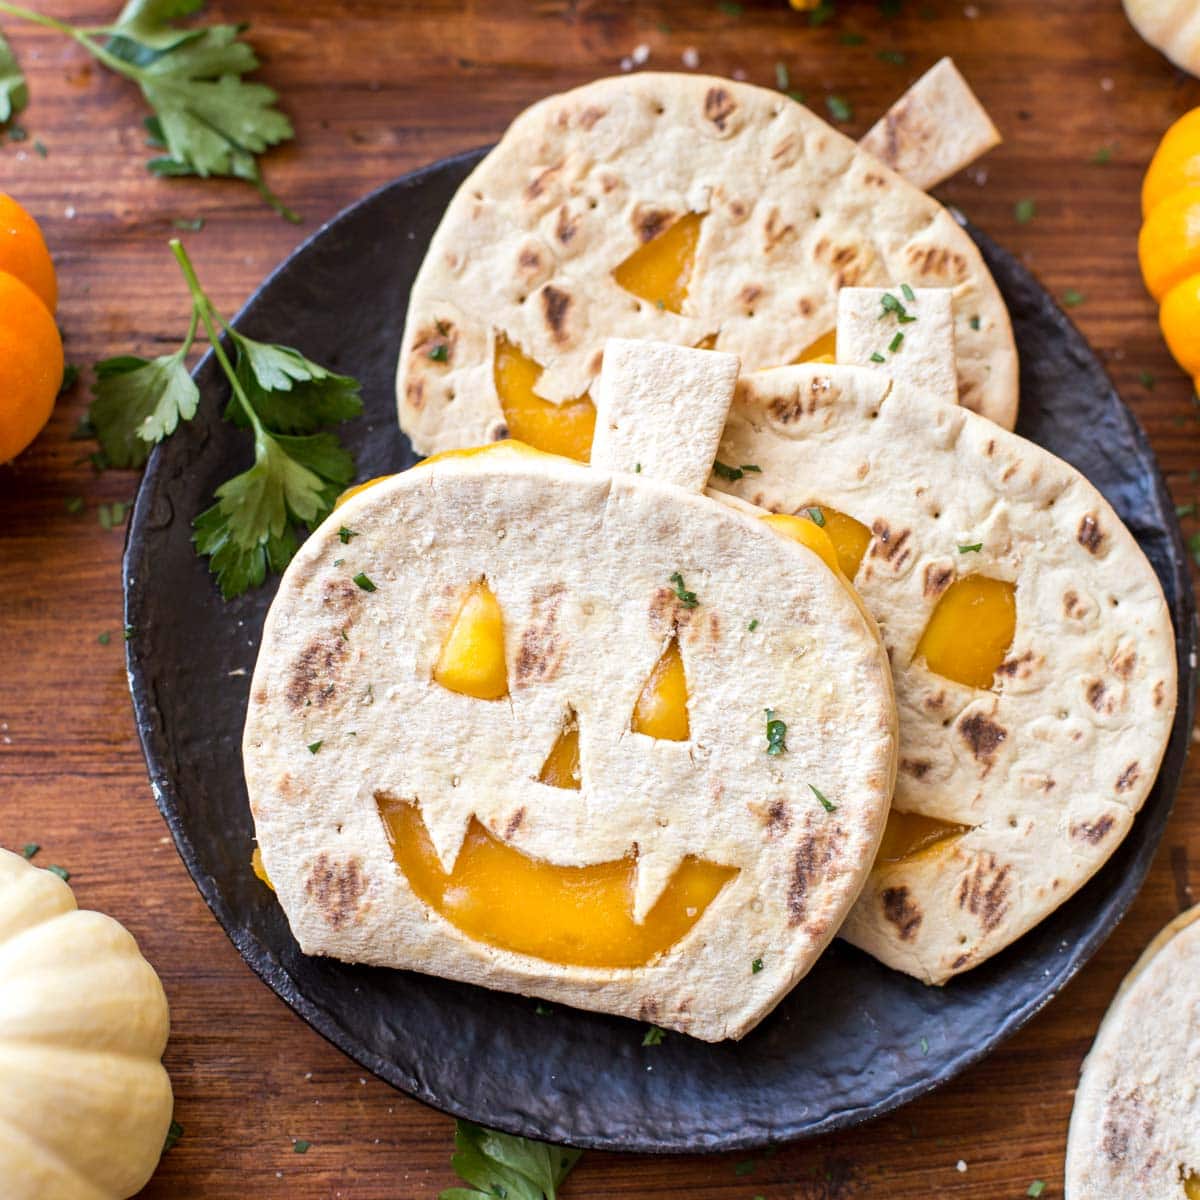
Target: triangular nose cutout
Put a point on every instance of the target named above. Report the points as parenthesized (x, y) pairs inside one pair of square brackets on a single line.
[(662, 708), (561, 769), (660, 270), (472, 658)]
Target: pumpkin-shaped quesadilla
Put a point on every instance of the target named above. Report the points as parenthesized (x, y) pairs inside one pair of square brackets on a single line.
[(572, 731), (683, 208), (1031, 646), (1135, 1127)]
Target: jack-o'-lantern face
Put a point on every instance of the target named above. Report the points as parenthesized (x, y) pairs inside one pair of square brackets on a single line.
[(545, 761)]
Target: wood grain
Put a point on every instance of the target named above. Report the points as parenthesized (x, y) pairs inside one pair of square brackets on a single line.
[(376, 88)]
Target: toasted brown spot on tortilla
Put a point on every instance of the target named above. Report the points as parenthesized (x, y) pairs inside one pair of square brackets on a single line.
[(567, 226), (542, 181), (983, 736), (889, 545), (529, 260), (810, 861), (990, 448), (436, 343), (555, 306), (960, 962), (1128, 777), (590, 116), (786, 409), (1159, 692), (1073, 606), (749, 294), (1124, 661), (918, 768), (648, 223), (778, 819), (648, 1008), (336, 888), (938, 261), (874, 179), (776, 230), (937, 579), (1092, 831), (1122, 1117), (415, 391), (1089, 535), (986, 891), (1020, 667), (1103, 700), (806, 307), (719, 106), (902, 911), (542, 648), (499, 432), (934, 704), (514, 822)]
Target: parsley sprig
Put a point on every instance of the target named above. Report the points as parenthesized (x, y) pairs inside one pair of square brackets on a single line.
[(498, 1164), (206, 117), (276, 393)]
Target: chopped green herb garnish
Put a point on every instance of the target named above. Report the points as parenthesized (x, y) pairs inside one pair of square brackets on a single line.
[(1193, 543), (104, 638), (189, 224), (776, 733), (1102, 156), (1073, 298), (893, 307), (70, 378), (852, 39), (364, 582), (654, 1036), (816, 516), (895, 343), (840, 109), (1024, 211), (924, 1045), (313, 747), (752, 468), (637, 468), (440, 352), (897, 58), (543, 1010), (16, 133), (756, 966), (344, 535), (799, 97), (74, 504), (128, 632), (753, 625), (907, 293), (686, 598), (822, 13), (1036, 1188), (29, 850), (1185, 510), (974, 548), (337, 562), (174, 1133), (300, 1146), (782, 82), (974, 322), (1147, 380), (39, 147), (745, 1167), (827, 805), (725, 471), (877, 357), (61, 872)]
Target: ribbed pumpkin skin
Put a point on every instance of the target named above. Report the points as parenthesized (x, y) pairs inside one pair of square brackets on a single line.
[(84, 1100)]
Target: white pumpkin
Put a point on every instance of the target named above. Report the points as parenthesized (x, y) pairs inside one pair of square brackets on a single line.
[(84, 1100)]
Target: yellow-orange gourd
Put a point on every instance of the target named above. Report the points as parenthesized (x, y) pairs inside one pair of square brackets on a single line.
[(1169, 243)]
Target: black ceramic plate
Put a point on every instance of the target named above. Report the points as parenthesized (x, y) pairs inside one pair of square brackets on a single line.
[(850, 1042)]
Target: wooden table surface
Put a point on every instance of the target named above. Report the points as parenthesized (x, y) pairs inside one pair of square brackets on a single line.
[(376, 88)]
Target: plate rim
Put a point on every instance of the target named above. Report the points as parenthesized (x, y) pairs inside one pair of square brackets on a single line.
[(283, 985)]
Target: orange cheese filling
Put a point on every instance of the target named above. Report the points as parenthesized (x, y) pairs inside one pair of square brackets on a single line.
[(471, 661), (661, 710), (971, 630), (823, 350), (907, 834), (660, 270), (561, 768), (1191, 1186), (582, 916), (564, 429), (256, 865)]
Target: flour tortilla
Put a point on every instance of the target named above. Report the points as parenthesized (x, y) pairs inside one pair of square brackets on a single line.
[(934, 130), (1170, 26), (1135, 1127), (794, 212), (1050, 766), (580, 561)]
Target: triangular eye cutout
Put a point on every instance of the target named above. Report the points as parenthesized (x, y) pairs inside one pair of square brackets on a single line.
[(908, 834), (662, 708), (564, 429), (561, 768), (971, 630), (661, 270), (472, 658), (823, 350)]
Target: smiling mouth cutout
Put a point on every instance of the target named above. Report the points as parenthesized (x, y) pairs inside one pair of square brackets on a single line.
[(574, 916)]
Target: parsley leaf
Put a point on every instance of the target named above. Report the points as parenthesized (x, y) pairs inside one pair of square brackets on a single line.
[(206, 116), (498, 1164), (654, 1036), (776, 733), (14, 94), (174, 1133), (840, 109), (686, 598), (139, 401), (826, 804), (1025, 210)]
